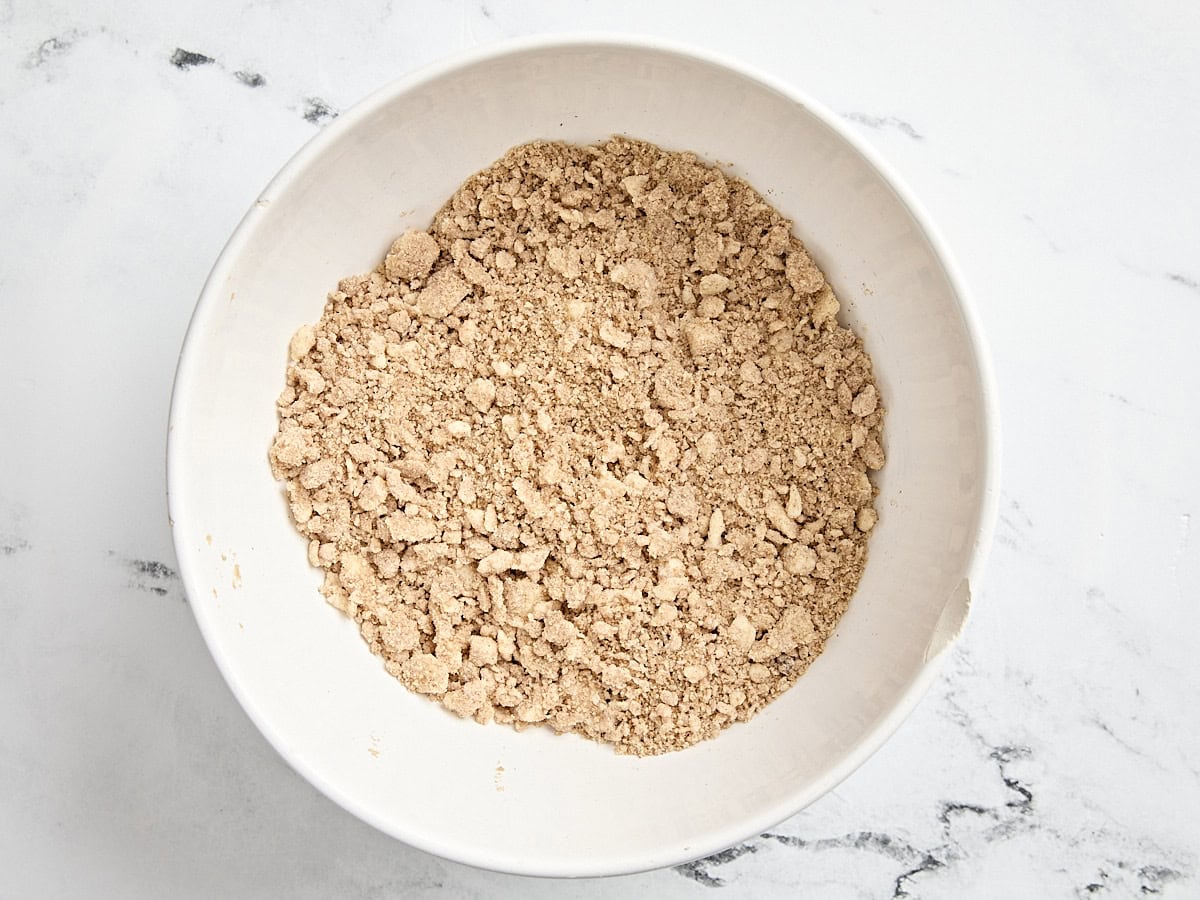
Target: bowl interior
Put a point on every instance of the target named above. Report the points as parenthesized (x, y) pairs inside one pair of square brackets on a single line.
[(534, 802)]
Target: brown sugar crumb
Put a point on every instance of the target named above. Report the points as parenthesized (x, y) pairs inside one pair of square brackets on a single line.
[(592, 452)]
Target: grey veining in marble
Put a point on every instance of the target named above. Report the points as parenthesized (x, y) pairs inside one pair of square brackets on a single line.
[(1058, 754)]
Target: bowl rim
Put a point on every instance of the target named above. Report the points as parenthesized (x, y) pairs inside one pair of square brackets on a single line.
[(789, 803)]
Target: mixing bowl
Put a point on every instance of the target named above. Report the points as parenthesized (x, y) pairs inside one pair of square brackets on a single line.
[(534, 802)]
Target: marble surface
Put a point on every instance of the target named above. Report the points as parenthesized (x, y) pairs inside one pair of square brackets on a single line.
[(1058, 754)]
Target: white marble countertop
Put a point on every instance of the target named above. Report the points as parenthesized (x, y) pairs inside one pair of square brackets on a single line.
[(1058, 754)]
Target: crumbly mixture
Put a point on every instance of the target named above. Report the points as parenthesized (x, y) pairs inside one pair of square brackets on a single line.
[(592, 451)]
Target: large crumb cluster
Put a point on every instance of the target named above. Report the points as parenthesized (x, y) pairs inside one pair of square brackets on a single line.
[(590, 452)]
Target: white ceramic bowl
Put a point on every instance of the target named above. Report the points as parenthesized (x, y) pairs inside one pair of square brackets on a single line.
[(533, 802)]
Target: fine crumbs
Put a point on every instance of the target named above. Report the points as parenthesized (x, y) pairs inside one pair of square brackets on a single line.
[(592, 451)]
